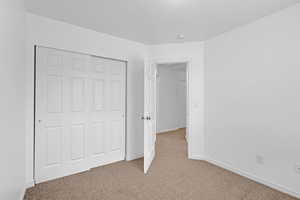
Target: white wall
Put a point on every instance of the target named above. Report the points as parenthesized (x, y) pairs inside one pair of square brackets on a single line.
[(194, 53), (181, 98), (51, 33), (171, 106), (250, 82), (12, 79), (252, 98)]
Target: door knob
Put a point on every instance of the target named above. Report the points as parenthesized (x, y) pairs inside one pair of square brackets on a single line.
[(146, 118)]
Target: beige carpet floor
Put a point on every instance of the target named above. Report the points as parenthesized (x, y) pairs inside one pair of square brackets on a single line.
[(171, 177)]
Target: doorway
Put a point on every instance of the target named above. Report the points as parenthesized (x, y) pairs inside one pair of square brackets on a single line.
[(172, 98), (150, 106)]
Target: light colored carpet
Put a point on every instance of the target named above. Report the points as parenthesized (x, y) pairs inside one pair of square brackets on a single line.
[(171, 177)]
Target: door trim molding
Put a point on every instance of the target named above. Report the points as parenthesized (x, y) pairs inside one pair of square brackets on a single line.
[(187, 61), (88, 54)]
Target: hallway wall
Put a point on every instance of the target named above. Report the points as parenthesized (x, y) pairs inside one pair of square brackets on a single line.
[(171, 98), (182, 98)]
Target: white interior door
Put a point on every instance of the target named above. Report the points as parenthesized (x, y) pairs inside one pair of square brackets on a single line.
[(107, 111), (150, 72), (80, 113)]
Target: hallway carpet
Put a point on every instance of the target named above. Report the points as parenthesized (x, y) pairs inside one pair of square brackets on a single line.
[(171, 177)]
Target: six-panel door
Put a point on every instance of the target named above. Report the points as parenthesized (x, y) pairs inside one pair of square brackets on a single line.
[(150, 73), (80, 112)]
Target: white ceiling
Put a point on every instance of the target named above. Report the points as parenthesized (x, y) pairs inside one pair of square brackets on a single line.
[(158, 21)]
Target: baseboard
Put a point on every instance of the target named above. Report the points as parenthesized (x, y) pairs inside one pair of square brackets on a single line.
[(134, 156), (196, 157), (168, 130), (254, 178), (29, 184), (23, 193), (26, 186)]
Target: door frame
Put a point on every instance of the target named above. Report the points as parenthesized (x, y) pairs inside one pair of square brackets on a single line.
[(35, 99), (188, 93)]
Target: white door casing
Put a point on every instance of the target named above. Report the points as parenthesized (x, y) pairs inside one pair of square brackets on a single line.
[(80, 113), (150, 72)]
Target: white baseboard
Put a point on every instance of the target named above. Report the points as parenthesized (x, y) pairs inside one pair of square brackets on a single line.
[(29, 184), (26, 186), (212, 161), (23, 193), (134, 156), (254, 178), (196, 157)]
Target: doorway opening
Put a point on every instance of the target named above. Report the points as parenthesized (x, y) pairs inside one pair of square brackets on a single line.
[(172, 103), (153, 105)]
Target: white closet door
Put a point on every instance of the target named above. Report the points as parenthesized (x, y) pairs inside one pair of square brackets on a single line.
[(61, 114), (107, 111), (79, 113)]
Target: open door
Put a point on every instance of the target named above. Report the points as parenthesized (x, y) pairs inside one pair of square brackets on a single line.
[(149, 114)]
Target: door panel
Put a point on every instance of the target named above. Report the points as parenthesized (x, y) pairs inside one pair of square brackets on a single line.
[(78, 141), (149, 115), (53, 62), (53, 141), (116, 137), (54, 94), (78, 94), (116, 95), (80, 112), (99, 138), (108, 108), (99, 94)]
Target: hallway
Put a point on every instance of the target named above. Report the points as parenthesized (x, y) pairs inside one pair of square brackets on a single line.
[(171, 177)]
